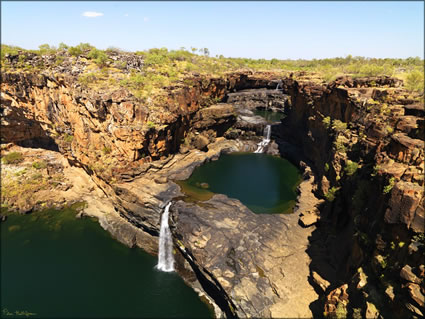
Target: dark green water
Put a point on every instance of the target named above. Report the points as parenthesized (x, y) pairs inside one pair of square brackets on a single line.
[(269, 116), (264, 183), (54, 265)]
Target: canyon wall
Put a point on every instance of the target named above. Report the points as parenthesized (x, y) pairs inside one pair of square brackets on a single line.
[(363, 138), (111, 126)]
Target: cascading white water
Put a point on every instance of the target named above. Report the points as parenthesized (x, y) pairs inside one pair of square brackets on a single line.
[(265, 141), (279, 85), (165, 254)]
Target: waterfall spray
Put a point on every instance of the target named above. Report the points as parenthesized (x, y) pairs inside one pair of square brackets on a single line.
[(165, 254)]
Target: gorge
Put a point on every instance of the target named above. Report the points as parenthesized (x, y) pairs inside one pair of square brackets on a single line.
[(340, 250)]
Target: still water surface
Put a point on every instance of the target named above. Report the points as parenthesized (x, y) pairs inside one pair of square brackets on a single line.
[(264, 183), (269, 116), (54, 265)]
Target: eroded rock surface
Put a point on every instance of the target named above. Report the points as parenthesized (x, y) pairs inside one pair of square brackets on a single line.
[(259, 260)]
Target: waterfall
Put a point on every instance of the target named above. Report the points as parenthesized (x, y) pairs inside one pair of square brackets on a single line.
[(165, 254), (279, 83), (265, 141)]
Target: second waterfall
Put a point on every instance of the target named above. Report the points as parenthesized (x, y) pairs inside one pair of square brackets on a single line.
[(265, 141), (165, 253)]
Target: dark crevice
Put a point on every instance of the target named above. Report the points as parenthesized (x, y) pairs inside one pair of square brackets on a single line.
[(213, 289), (45, 142)]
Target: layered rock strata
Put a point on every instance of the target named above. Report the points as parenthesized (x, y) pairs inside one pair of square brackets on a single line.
[(359, 137), (366, 145)]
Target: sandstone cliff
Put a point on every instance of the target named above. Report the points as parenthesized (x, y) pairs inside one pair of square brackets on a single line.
[(363, 139)]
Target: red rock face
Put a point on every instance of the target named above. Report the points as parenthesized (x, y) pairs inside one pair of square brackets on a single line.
[(380, 128), (90, 126), (406, 206)]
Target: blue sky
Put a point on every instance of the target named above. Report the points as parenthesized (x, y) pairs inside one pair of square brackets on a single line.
[(283, 30)]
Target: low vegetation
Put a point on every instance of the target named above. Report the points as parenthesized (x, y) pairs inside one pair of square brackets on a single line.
[(339, 126), (12, 158), (163, 67), (68, 138), (39, 164), (389, 186), (350, 168), (331, 194)]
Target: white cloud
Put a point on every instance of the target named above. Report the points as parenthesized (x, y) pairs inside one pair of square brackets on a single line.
[(92, 14), (126, 15), (146, 19)]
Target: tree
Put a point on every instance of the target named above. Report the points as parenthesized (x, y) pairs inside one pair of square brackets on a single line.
[(63, 46), (45, 48), (98, 56)]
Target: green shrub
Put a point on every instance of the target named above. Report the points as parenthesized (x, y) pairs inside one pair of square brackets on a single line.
[(351, 168), (85, 46), (330, 195), (36, 176), (121, 64), (99, 57), (9, 49), (326, 167), (389, 186), (12, 158), (75, 51), (329, 76), (157, 57), (39, 164), (106, 150), (327, 122), (59, 60), (80, 49), (341, 311), (389, 129), (63, 46), (113, 50), (46, 49), (339, 145), (135, 81), (420, 237), (415, 81), (151, 124), (87, 78), (339, 126), (68, 138)]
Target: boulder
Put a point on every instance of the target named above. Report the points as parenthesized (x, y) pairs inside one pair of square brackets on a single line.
[(407, 274), (371, 311), (200, 142), (322, 283), (416, 294), (309, 218), (405, 203)]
